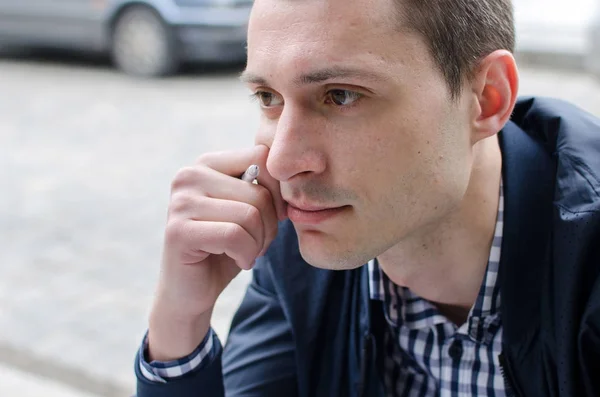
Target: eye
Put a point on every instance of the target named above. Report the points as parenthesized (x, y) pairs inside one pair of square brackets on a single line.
[(267, 99), (342, 97)]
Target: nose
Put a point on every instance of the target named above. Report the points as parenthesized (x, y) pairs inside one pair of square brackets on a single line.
[(295, 145)]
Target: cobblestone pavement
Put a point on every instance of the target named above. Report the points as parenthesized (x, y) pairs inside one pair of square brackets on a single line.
[(86, 157)]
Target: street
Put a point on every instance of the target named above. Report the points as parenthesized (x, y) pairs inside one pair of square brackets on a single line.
[(86, 159)]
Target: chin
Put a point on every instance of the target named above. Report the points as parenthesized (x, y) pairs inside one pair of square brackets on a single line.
[(321, 252)]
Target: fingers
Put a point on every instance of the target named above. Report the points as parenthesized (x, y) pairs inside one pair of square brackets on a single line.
[(204, 237), (235, 164), (217, 224), (258, 219), (212, 211), (202, 193)]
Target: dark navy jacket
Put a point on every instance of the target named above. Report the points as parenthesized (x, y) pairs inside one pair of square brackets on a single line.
[(307, 332)]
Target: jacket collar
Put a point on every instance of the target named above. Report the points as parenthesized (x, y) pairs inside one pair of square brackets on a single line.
[(528, 174)]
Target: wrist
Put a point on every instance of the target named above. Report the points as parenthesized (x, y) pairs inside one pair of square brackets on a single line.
[(172, 336)]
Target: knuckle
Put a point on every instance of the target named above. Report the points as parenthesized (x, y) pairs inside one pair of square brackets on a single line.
[(208, 158), (176, 231), (180, 203), (183, 177), (263, 196), (233, 233), (252, 216)]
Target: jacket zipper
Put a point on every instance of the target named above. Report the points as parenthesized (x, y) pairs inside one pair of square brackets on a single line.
[(506, 372)]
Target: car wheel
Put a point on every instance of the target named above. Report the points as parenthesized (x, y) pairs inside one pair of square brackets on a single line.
[(143, 45)]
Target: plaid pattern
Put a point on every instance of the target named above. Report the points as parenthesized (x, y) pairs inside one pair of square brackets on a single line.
[(430, 356), (158, 371), (427, 354)]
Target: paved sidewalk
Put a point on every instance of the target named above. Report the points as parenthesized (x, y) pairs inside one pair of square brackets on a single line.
[(14, 383)]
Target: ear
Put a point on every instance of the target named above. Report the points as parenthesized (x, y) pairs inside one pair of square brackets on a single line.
[(494, 89)]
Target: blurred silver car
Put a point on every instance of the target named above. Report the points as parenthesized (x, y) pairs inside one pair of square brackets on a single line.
[(144, 37), (593, 61)]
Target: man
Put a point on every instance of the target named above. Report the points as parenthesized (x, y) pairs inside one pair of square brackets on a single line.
[(415, 231)]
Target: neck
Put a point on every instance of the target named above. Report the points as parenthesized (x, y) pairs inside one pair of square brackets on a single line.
[(446, 263)]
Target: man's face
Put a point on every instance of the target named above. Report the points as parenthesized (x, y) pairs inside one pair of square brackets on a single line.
[(359, 119)]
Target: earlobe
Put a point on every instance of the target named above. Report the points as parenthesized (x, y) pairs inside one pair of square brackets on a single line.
[(495, 88)]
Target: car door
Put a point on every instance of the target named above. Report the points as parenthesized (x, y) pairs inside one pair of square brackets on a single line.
[(17, 20), (62, 23)]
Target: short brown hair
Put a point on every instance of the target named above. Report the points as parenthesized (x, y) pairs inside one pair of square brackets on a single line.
[(460, 32)]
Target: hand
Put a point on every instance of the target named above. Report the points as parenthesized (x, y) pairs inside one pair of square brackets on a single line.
[(217, 224)]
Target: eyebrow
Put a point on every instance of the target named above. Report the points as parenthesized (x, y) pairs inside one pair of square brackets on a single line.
[(317, 76)]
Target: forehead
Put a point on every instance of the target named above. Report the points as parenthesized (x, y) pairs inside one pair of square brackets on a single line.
[(348, 13), (295, 35)]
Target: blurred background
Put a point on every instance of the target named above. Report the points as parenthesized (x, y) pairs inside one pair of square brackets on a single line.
[(101, 102)]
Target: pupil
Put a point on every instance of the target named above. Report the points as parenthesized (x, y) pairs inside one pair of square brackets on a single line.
[(266, 99), (338, 97)]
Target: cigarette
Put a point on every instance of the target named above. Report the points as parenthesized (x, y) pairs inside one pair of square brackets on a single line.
[(251, 173)]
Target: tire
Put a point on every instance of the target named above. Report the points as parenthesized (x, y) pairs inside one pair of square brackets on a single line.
[(143, 45)]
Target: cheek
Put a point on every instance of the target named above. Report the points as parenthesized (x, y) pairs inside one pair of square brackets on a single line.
[(417, 163), (374, 155), (431, 138)]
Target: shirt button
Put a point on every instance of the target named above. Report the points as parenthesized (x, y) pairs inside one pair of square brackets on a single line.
[(455, 350)]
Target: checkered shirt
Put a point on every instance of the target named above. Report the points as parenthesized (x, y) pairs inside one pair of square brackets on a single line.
[(427, 355), (158, 371)]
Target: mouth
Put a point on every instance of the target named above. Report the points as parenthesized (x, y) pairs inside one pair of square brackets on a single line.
[(312, 214)]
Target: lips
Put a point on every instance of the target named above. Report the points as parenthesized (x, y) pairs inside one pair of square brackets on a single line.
[(312, 214), (309, 207)]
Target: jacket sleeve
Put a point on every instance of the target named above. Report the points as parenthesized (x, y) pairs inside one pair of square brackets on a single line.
[(589, 347), (206, 381), (258, 359)]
